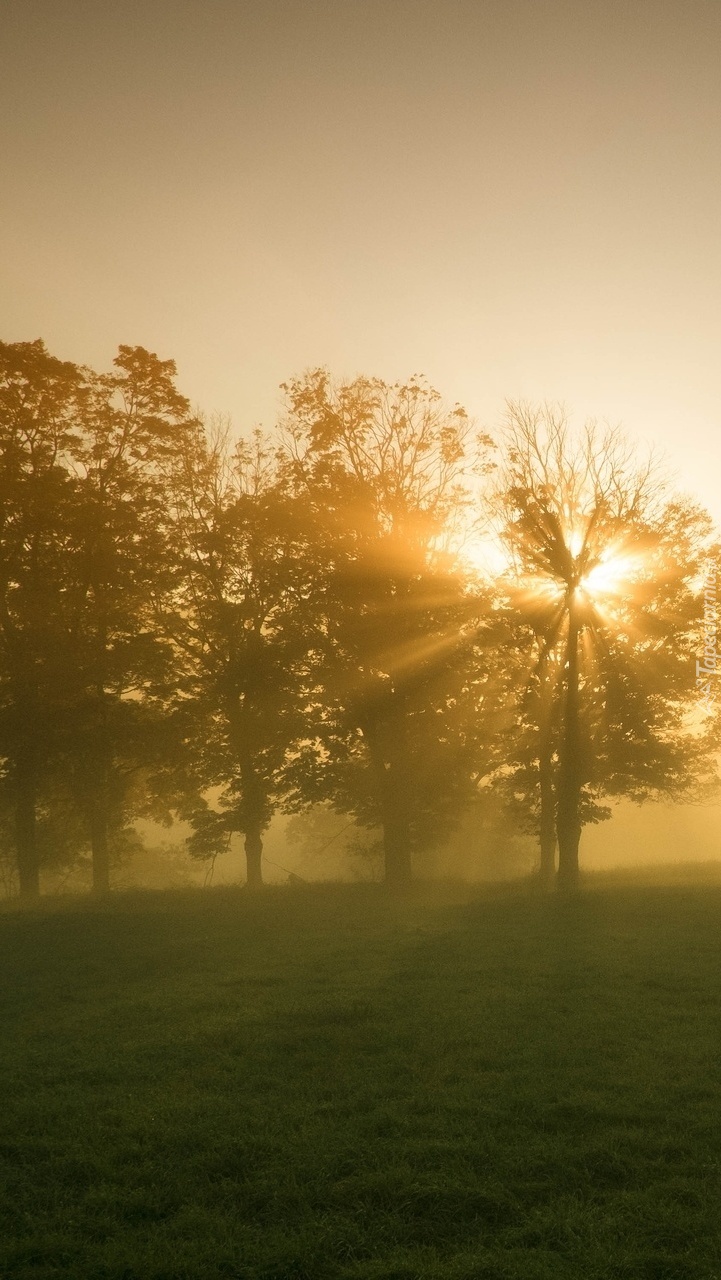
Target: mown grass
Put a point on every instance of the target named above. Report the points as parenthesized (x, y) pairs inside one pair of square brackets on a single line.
[(326, 1083)]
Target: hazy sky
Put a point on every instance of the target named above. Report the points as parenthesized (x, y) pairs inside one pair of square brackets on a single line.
[(519, 198)]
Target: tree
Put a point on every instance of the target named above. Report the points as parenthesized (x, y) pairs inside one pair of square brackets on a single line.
[(233, 609), (134, 421), (382, 469), (40, 400), (525, 768), (604, 570)]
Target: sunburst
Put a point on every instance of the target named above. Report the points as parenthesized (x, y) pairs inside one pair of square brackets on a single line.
[(612, 576)]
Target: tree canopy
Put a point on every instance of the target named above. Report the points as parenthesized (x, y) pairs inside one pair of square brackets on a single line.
[(221, 628)]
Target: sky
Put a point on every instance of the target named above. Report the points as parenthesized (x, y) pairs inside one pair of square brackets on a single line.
[(518, 198)]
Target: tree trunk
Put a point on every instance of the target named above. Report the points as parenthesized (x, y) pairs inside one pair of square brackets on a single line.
[(568, 822), (396, 831), (386, 745), (28, 860), (99, 848), (546, 780), (252, 812), (253, 856), (547, 826), (547, 831), (98, 815)]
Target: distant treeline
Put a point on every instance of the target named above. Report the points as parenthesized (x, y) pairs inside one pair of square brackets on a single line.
[(214, 629)]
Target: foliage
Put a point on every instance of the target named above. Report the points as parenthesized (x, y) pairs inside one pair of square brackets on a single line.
[(219, 629), (233, 609), (605, 582), (398, 658)]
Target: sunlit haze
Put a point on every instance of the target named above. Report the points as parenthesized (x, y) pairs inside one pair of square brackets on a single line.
[(517, 198), (360, 639)]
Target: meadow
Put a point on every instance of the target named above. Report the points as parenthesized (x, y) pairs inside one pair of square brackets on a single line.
[(324, 1082)]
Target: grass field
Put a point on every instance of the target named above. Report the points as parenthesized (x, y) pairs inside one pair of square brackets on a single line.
[(324, 1083)]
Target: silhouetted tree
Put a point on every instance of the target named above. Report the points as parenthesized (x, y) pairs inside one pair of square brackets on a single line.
[(223, 629), (41, 398), (234, 611), (603, 574), (382, 469), (134, 422)]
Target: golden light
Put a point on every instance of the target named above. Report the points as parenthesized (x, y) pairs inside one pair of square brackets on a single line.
[(486, 555), (575, 541), (612, 576), (610, 580)]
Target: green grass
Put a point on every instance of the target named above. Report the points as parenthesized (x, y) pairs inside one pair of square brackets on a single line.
[(326, 1083)]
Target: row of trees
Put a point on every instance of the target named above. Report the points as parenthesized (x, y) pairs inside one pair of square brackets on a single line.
[(213, 629)]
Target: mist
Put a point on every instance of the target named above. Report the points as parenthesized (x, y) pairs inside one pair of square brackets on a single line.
[(360, 726)]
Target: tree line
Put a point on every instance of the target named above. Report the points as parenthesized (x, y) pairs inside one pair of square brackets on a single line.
[(216, 629)]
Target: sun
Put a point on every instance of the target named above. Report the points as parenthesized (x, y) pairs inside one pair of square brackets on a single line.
[(611, 575)]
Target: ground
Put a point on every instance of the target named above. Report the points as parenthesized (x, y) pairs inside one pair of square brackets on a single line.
[(324, 1082)]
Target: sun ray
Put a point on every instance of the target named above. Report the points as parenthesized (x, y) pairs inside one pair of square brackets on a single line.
[(612, 574)]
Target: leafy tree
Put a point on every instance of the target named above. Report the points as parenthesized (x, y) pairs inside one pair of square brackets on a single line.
[(604, 575), (233, 608), (40, 400), (382, 470), (133, 423)]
